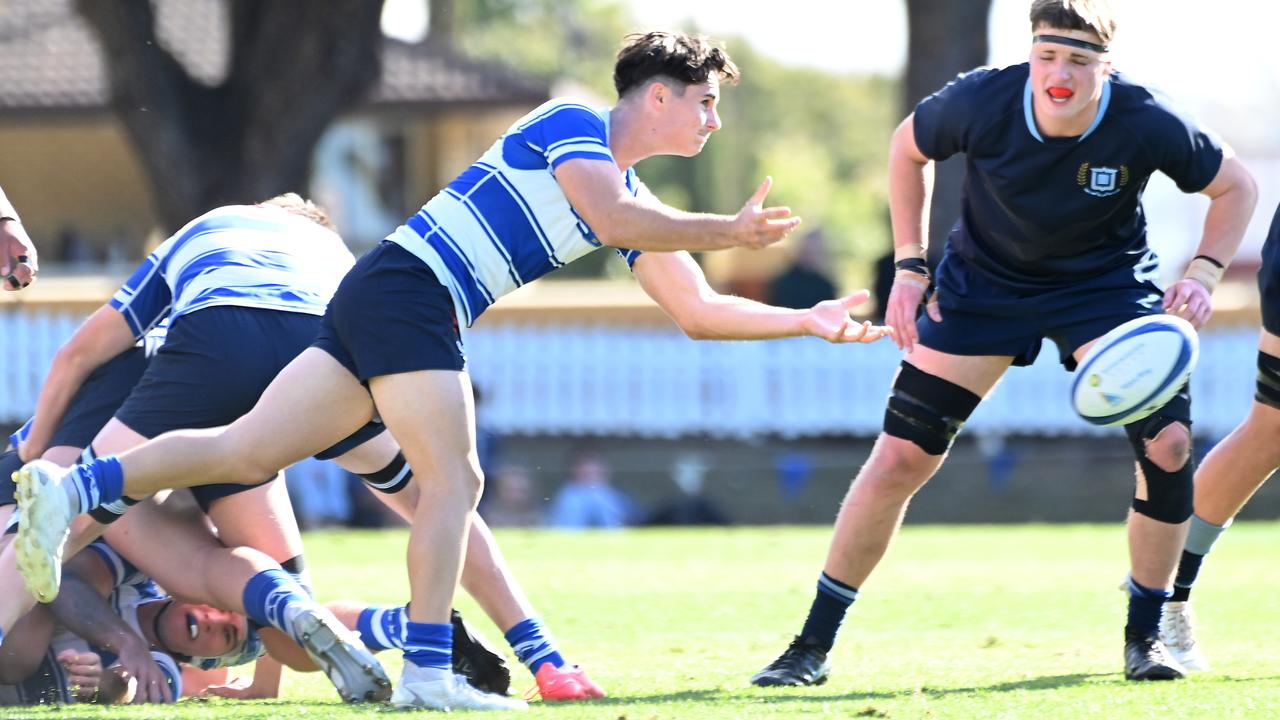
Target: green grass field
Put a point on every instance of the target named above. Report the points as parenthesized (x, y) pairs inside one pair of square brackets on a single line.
[(961, 622)]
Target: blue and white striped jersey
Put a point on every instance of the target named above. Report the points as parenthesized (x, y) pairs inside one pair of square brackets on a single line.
[(132, 589), (257, 256), (505, 221)]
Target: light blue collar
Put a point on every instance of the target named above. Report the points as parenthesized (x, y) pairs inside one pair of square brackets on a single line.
[(1030, 115)]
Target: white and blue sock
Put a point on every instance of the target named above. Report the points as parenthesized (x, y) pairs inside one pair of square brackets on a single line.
[(382, 627), (429, 645), (269, 598), (96, 483), (533, 644), (830, 603)]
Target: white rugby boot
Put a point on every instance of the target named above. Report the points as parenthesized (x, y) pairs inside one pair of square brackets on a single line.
[(432, 689), (1178, 633), (48, 505), (353, 670)]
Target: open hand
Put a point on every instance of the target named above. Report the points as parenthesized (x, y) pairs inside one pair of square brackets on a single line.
[(830, 321), (758, 226), (1189, 300)]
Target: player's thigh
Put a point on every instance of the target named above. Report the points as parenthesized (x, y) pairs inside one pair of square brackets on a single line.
[(116, 437), (431, 415), (168, 542), (311, 405), (975, 373), (260, 517)]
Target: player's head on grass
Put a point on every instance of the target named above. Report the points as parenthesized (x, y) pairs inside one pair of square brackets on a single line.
[(672, 80), (1070, 40), (298, 205)]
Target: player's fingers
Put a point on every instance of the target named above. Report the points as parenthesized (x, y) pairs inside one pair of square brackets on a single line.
[(855, 299), (775, 213), (757, 198), (935, 312)]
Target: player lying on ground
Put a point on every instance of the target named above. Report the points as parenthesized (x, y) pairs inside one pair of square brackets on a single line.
[(1235, 468), (559, 184), (108, 383), (1051, 243)]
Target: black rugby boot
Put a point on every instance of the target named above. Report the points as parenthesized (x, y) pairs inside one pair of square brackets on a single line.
[(1146, 658), (476, 660), (804, 662)]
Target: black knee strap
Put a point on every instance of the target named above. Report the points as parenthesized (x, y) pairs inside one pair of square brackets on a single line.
[(297, 567), (1268, 391), (391, 479), (927, 410), (1170, 494), (112, 511)]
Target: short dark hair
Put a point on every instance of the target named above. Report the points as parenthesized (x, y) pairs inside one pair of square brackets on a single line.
[(690, 59), (1095, 16)]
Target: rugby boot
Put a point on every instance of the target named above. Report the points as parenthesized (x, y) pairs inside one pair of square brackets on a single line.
[(558, 684), (427, 689), (47, 508), (804, 662), (1146, 658), (354, 671), (1178, 633), (476, 660)]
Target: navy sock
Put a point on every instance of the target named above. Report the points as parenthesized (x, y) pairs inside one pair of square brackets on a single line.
[(1188, 569), (1144, 609), (827, 612), (533, 645), (429, 645), (1201, 535), (98, 482), (267, 597), (382, 627)]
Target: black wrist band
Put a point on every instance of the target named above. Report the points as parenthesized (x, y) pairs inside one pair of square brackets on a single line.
[(913, 264), (1216, 264)]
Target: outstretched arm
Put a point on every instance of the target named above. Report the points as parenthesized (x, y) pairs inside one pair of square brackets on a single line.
[(103, 336), (678, 285), (910, 191), (18, 257), (596, 191)]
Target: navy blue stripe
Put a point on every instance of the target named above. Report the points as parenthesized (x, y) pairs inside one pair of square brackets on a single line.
[(533, 219), (510, 227), (215, 224), (505, 254)]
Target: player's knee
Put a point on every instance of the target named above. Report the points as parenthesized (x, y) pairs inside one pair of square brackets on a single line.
[(896, 469), (927, 410), (1268, 383), (1163, 448), (1170, 449)]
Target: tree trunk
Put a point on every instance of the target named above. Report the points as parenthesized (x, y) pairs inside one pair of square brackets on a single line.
[(294, 66), (945, 38)]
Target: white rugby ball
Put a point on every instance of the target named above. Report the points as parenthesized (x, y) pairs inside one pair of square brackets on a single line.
[(1134, 370)]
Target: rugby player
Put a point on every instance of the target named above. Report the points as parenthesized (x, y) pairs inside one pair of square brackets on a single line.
[(558, 184), (1051, 243)]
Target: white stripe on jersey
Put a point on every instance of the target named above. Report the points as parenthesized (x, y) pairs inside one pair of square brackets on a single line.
[(242, 255), (505, 221)]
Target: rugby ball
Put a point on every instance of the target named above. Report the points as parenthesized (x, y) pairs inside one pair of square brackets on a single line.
[(1134, 370)]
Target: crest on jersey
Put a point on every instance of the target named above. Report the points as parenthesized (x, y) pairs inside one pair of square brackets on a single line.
[(1101, 181)]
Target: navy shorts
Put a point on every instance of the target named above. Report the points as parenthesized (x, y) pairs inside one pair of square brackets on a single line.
[(391, 315), (1269, 278), (212, 369), (99, 398), (10, 463), (981, 316)]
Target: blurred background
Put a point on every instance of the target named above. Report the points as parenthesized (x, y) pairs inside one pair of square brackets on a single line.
[(120, 121)]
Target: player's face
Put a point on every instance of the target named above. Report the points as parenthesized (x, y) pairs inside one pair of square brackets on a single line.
[(200, 630), (686, 119), (1066, 80)]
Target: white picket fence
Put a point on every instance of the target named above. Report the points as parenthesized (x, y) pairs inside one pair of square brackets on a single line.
[(597, 380)]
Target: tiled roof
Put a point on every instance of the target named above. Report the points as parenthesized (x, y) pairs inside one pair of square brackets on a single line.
[(50, 60)]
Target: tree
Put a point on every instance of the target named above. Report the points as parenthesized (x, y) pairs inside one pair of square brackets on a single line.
[(293, 66), (945, 37)]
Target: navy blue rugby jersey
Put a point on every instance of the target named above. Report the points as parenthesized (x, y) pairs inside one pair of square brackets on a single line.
[(1044, 211)]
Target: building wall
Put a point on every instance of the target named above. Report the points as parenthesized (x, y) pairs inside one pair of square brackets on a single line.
[(76, 175)]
